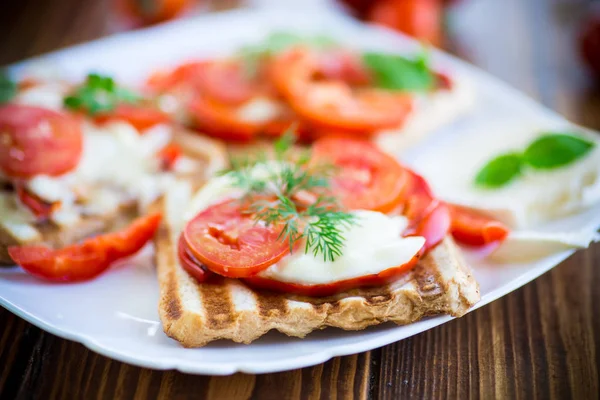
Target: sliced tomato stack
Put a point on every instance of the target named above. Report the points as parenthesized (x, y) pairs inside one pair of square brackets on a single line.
[(321, 93), (336, 100), (225, 240)]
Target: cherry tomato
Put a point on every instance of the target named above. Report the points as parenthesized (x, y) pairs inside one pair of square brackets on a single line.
[(589, 43), (146, 12), (169, 155), (35, 141), (419, 18), (41, 208), (333, 103), (88, 259), (141, 117), (191, 264), (474, 229), (231, 244), (328, 289), (366, 178)]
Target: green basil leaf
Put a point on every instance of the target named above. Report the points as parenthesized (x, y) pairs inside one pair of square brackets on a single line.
[(394, 72), (99, 94), (554, 150), (500, 171), (8, 88)]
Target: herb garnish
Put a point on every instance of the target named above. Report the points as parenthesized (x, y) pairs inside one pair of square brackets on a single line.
[(99, 94), (394, 72), (273, 198), (8, 87), (550, 150)]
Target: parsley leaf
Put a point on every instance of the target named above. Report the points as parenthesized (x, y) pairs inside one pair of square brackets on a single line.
[(394, 72), (99, 94), (500, 170), (553, 150), (8, 87)]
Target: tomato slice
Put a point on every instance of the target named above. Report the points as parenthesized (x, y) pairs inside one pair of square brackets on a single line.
[(419, 18), (141, 117), (328, 289), (88, 259), (475, 229), (41, 208), (36, 141), (230, 243), (224, 81), (334, 103), (367, 178), (191, 264), (222, 121)]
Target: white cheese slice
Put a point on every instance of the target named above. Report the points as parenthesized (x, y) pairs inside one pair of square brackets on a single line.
[(527, 246), (47, 95), (260, 109), (536, 197), (432, 111), (373, 245)]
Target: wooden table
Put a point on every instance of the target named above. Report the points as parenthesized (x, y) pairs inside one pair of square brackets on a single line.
[(540, 341)]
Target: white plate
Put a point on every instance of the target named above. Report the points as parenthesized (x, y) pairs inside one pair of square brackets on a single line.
[(116, 315)]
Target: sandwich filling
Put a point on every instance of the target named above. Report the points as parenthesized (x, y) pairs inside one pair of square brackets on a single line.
[(355, 217)]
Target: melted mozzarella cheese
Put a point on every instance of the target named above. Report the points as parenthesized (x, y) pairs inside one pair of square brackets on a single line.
[(259, 110), (373, 245), (16, 220), (536, 197), (48, 95)]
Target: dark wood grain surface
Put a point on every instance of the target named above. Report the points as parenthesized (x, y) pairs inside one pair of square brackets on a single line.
[(542, 341)]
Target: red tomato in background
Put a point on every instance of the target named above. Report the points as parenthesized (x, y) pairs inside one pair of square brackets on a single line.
[(419, 18), (147, 12), (589, 45), (36, 141)]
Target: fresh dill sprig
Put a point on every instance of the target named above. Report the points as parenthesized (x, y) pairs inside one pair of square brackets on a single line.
[(290, 194), (325, 234)]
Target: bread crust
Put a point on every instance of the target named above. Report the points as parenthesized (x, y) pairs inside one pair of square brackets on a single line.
[(195, 314)]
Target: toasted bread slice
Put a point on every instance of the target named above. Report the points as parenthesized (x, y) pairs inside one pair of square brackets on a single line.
[(196, 314)]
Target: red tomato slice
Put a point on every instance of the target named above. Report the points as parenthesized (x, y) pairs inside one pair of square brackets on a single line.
[(140, 117), (191, 264), (474, 229), (41, 208), (88, 259), (227, 82), (169, 155), (328, 289), (224, 81), (221, 120), (36, 141), (231, 244), (367, 178), (419, 18), (334, 103), (146, 12)]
